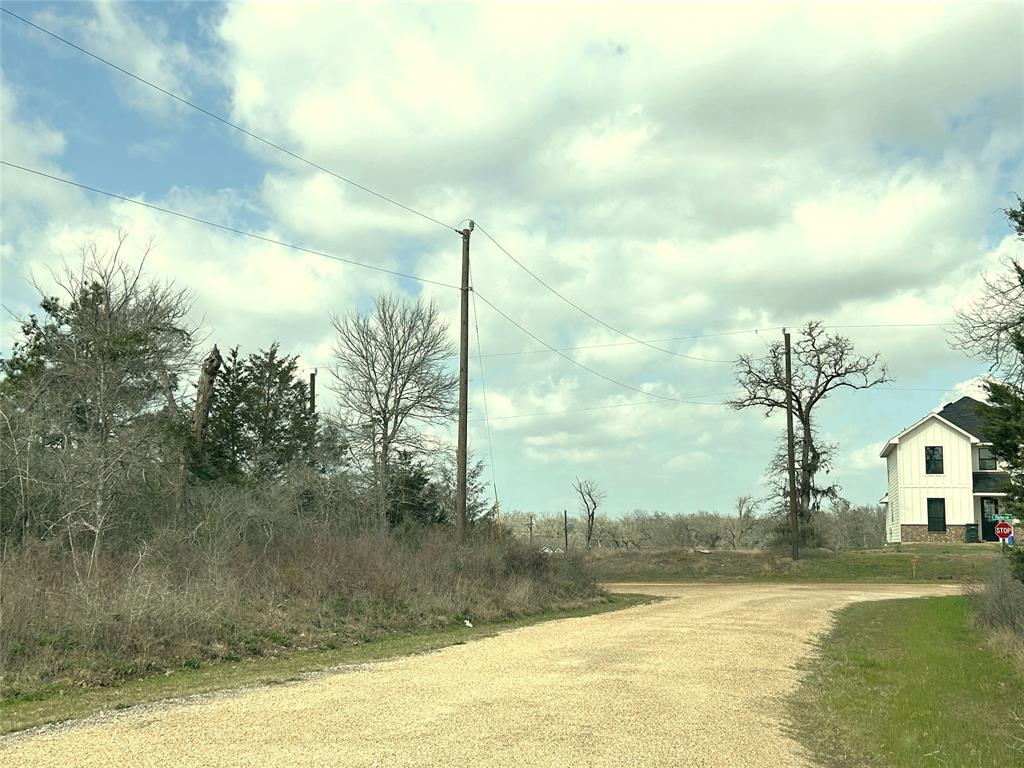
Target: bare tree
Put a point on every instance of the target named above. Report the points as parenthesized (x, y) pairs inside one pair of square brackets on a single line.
[(988, 328), (391, 376), (590, 499), (739, 527), (822, 364)]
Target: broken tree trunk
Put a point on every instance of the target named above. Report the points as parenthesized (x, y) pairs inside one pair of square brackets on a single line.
[(204, 397)]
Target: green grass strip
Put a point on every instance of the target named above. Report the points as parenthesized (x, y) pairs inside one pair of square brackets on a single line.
[(75, 703), (910, 683)]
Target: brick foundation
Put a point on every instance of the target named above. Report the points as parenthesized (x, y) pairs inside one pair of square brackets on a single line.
[(953, 533)]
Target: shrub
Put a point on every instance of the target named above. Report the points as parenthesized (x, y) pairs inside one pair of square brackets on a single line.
[(257, 589), (1016, 560), (999, 601)]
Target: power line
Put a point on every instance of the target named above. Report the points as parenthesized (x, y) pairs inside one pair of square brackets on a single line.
[(483, 387), (599, 408), (592, 316), (601, 346), (522, 352), (890, 325), (227, 122), (226, 228), (654, 344), (590, 370), (662, 402), (366, 189)]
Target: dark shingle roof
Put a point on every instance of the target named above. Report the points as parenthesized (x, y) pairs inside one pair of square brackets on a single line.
[(966, 414), (991, 482)]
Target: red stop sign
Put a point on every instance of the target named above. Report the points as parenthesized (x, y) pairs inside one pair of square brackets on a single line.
[(1004, 530)]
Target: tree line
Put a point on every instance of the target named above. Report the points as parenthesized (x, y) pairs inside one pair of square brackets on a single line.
[(838, 526), (115, 425)]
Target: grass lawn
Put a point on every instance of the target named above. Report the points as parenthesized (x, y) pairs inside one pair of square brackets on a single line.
[(56, 706), (910, 683), (935, 562)]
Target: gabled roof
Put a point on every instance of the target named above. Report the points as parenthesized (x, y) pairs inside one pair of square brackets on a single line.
[(964, 416)]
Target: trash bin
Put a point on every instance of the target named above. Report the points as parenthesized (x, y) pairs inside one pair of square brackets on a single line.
[(971, 533)]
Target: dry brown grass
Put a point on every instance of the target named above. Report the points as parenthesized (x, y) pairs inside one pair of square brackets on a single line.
[(998, 602), (175, 603)]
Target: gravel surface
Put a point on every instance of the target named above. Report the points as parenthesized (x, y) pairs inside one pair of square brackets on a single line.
[(692, 681)]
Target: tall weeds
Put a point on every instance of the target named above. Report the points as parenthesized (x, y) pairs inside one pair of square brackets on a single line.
[(999, 601), (255, 589)]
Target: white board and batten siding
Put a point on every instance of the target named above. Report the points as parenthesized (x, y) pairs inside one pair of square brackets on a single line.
[(915, 486), (892, 522)]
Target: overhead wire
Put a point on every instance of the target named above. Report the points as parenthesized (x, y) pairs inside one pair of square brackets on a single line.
[(646, 342), (267, 142), (522, 352), (586, 409), (226, 228), (583, 311), (483, 387), (587, 368), (225, 121)]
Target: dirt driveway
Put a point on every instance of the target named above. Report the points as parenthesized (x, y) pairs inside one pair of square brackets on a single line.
[(692, 681)]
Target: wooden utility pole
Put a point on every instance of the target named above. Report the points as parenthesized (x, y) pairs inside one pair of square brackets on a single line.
[(565, 527), (530, 526), (312, 410), (460, 489), (794, 520)]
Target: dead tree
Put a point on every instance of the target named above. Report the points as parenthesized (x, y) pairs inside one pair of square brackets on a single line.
[(204, 397), (739, 527), (590, 499), (822, 364)]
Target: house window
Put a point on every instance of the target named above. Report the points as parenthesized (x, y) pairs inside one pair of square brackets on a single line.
[(937, 515), (933, 460), (986, 459)]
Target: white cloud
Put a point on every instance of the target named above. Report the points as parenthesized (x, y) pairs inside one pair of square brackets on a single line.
[(137, 41), (973, 387), (676, 170), (863, 459)]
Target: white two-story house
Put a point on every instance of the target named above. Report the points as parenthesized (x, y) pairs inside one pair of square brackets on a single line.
[(943, 476)]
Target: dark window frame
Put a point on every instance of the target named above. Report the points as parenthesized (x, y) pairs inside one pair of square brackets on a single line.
[(940, 506), (991, 458), (931, 462)]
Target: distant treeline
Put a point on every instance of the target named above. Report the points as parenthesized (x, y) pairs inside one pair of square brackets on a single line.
[(840, 526)]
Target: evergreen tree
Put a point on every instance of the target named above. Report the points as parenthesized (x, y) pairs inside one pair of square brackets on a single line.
[(260, 420), (1004, 427)]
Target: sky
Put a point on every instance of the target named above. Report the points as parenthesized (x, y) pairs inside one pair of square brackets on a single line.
[(675, 170)]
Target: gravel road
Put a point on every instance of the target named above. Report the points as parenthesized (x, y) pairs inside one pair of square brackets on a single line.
[(692, 681)]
